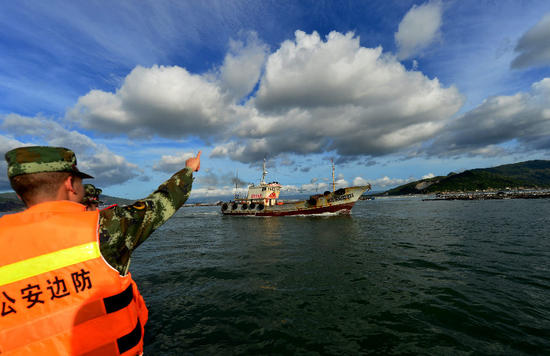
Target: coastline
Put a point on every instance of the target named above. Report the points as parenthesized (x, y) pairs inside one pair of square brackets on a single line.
[(536, 194)]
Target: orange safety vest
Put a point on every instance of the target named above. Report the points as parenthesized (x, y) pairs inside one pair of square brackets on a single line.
[(58, 296)]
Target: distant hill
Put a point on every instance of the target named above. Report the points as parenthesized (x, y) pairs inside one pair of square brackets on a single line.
[(10, 201), (109, 200), (528, 175)]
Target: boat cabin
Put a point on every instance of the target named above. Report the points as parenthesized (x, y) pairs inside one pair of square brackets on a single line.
[(265, 193)]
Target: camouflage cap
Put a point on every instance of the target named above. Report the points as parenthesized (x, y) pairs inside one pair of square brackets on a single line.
[(38, 159), (91, 194)]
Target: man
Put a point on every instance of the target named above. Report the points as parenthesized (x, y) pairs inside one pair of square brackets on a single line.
[(91, 197), (65, 290)]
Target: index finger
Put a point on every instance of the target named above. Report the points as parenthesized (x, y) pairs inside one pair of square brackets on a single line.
[(199, 154)]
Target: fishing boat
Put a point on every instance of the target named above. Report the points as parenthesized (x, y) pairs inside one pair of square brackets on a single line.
[(263, 200)]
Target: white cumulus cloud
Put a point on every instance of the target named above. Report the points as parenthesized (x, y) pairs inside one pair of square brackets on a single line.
[(167, 101), (360, 181), (6, 144), (242, 66), (419, 28), (386, 181), (318, 95), (95, 159), (172, 163), (520, 118), (314, 95), (534, 46)]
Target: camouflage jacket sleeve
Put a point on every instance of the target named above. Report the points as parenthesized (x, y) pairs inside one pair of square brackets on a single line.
[(123, 228)]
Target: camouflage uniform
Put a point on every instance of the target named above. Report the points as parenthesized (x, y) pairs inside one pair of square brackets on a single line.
[(121, 229), (91, 195)]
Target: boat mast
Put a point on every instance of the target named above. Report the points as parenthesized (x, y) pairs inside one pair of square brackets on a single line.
[(263, 174), (333, 185), (236, 195)]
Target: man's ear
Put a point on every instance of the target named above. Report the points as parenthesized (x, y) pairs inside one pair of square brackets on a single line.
[(68, 184)]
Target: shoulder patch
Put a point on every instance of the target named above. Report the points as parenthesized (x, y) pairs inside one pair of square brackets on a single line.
[(139, 205)]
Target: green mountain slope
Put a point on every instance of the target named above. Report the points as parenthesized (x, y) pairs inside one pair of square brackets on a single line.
[(10, 202), (529, 174)]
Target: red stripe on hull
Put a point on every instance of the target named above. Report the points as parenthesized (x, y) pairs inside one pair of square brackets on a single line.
[(342, 208)]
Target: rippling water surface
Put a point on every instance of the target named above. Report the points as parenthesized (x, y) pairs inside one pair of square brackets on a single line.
[(398, 276)]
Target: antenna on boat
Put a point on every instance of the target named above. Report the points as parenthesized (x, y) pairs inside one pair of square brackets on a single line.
[(236, 195), (333, 185), (263, 174)]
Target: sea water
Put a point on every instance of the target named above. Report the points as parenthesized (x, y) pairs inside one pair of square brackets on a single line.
[(397, 276)]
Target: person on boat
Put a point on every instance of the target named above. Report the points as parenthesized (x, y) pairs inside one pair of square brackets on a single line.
[(64, 281), (91, 197)]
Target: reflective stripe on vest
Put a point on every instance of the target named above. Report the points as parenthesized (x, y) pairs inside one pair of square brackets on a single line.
[(63, 300), (49, 262)]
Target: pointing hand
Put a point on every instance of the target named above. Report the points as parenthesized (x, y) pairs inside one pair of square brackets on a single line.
[(194, 162)]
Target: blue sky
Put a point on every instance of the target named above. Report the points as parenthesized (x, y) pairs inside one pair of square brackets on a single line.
[(393, 91)]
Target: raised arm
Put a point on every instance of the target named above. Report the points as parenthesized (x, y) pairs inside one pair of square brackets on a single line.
[(122, 229)]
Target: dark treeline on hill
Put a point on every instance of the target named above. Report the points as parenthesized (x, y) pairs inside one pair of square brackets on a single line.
[(10, 202), (523, 175)]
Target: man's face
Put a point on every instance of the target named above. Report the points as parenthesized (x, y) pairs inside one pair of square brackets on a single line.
[(78, 193)]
